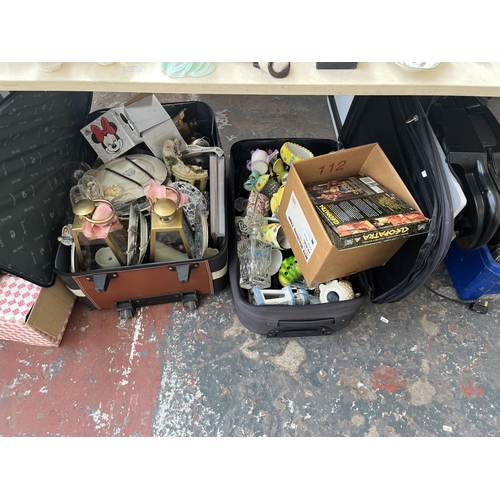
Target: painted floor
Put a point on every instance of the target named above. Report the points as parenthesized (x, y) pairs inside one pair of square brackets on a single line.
[(424, 366)]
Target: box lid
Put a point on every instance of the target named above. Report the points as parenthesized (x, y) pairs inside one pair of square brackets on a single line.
[(145, 111), (51, 311)]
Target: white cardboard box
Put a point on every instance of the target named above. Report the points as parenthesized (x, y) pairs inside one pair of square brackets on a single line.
[(32, 314), (141, 119), (111, 135)]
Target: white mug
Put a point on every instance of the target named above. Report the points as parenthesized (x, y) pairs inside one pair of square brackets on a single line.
[(106, 258), (259, 161), (49, 67)]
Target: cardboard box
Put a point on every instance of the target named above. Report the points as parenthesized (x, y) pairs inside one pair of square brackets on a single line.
[(112, 134), (32, 314), (318, 258), (141, 119), (152, 122)]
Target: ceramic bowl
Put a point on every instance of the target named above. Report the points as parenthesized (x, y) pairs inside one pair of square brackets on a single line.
[(418, 66)]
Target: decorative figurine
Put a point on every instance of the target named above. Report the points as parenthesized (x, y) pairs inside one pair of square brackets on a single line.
[(289, 271)]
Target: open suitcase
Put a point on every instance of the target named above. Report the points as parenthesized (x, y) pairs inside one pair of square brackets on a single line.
[(39, 136), (282, 320), (401, 127)]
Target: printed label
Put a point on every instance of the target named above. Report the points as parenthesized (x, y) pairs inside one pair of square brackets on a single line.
[(300, 227)]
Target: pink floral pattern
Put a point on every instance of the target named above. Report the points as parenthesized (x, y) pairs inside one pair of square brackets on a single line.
[(157, 191), (99, 231)]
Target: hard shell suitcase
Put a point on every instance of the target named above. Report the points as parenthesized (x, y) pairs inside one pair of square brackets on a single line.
[(39, 136), (401, 128)]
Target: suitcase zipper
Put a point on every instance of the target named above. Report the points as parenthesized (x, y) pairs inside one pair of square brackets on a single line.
[(414, 147)]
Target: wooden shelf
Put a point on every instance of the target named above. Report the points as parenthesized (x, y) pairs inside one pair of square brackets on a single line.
[(478, 79)]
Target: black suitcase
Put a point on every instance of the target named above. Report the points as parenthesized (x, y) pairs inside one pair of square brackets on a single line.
[(401, 127), (39, 136), (470, 136), (282, 320)]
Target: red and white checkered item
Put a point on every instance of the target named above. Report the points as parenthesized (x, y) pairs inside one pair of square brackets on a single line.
[(17, 297)]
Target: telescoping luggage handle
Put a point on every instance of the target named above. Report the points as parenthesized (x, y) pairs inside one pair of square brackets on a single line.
[(302, 328)]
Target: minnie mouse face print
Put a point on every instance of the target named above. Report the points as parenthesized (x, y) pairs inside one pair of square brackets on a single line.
[(107, 137), (111, 134)]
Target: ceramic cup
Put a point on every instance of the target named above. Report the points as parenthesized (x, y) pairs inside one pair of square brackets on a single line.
[(105, 258), (49, 67), (259, 161), (276, 260), (270, 187), (273, 233), (257, 204)]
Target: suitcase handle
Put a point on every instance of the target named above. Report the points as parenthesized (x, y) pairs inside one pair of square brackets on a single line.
[(299, 332), (302, 329)]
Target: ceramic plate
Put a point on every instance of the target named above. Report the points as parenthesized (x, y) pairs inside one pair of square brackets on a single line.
[(200, 236), (119, 186), (144, 236), (196, 201), (73, 257), (133, 235), (418, 66)]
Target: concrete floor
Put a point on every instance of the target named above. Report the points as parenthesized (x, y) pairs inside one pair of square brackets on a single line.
[(422, 367)]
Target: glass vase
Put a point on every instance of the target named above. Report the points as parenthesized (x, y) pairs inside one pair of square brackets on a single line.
[(254, 255)]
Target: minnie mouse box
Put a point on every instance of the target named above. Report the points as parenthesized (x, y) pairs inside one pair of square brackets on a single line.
[(142, 119)]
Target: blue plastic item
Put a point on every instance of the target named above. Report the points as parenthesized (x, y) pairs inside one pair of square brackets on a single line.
[(474, 272)]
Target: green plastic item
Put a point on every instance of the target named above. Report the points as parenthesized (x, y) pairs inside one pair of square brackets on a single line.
[(183, 69)]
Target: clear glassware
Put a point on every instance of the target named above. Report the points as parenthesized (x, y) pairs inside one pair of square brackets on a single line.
[(75, 195), (90, 188), (254, 255), (73, 171)]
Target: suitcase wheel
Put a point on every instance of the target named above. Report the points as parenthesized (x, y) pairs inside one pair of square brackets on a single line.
[(125, 309), (125, 314), (190, 301), (190, 305)]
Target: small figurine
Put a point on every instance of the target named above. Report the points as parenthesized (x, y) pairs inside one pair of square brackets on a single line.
[(271, 297), (335, 290), (66, 239), (172, 156), (289, 271)]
